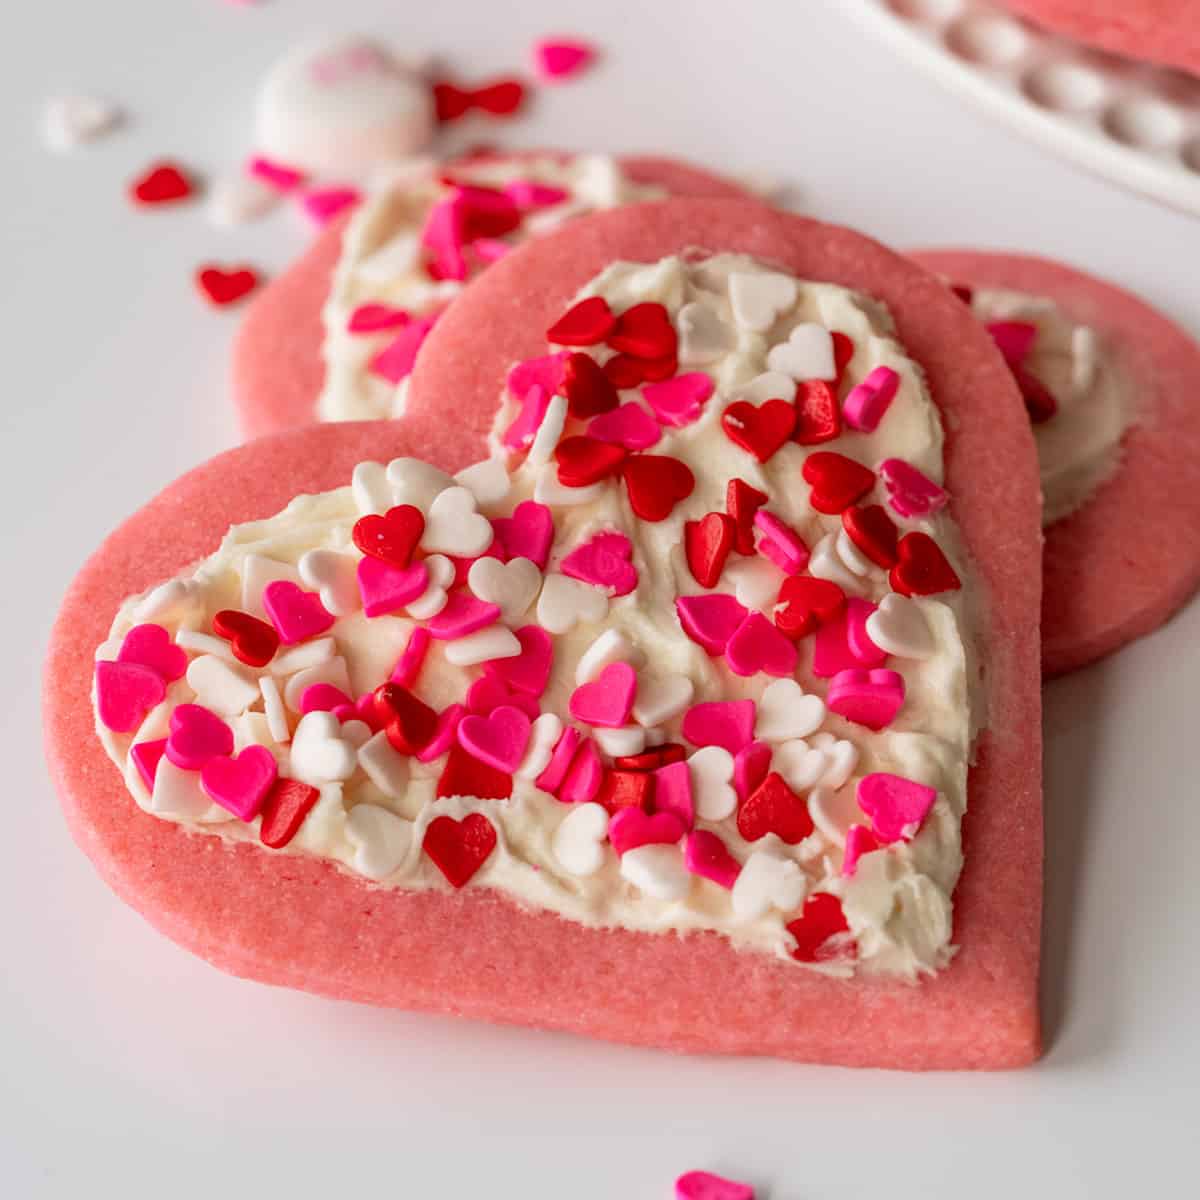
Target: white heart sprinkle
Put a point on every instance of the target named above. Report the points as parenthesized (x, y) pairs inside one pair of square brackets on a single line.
[(239, 198), (661, 697), (767, 880), (770, 385), (169, 601), (511, 585), (899, 627), (622, 742), (611, 646), (415, 482), (396, 257), (547, 490), (711, 769), (807, 354), (825, 563), (487, 481), (383, 766), (842, 756), (785, 712), (703, 335), (257, 572), (72, 120), (433, 599), (758, 297), (452, 525), (251, 729), (357, 733), (565, 602), (756, 582), (834, 810), (484, 645), (177, 793), (543, 737), (852, 557), (578, 842), (205, 643), (657, 871), (332, 670), (300, 658), (541, 449), (380, 839), (219, 685), (370, 488), (274, 709), (801, 765), (319, 755), (334, 576)]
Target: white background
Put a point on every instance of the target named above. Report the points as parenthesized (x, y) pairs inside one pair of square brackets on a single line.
[(129, 1068)]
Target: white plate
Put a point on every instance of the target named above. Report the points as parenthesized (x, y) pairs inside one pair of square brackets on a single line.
[(1135, 124)]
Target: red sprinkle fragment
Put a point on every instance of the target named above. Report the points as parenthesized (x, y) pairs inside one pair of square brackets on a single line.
[(707, 543), (287, 804), (818, 414), (408, 722), (873, 532), (586, 460), (821, 919), (741, 502), (465, 775), (921, 568), (626, 789)]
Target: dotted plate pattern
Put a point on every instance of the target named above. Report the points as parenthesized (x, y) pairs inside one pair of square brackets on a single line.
[(1135, 124)]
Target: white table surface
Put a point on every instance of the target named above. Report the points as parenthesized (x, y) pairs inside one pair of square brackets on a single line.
[(128, 1067)]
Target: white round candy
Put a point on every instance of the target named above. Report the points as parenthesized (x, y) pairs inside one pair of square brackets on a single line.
[(343, 104)]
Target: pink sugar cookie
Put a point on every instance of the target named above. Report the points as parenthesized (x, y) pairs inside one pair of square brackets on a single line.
[(277, 366), (1121, 565), (301, 922)]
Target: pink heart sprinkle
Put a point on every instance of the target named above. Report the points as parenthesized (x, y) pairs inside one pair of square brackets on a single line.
[(551, 779), (545, 372), (445, 733), (196, 736), (125, 693), (321, 205), (780, 543), (1014, 339), (296, 614), (385, 589), (896, 805), (678, 401), (750, 766), (529, 671), (520, 434), (910, 493), (701, 1185), (462, 615), (584, 776), (710, 619), (490, 250), (528, 193), (442, 237), (528, 533), (607, 700), (758, 645), (408, 665), (725, 723), (146, 757), (240, 785), (870, 698), (489, 692), (395, 361), (559, 58), (706, 855), (151, 646), (324, 697), (374, 318), (867, 402), (281, 178), (605, 562), (673, 792), (365, 709), (858, 640), (631, 828), (628, 425), (859, 841), (499, 739)]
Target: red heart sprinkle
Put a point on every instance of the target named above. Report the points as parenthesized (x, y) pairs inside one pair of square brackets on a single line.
[(707, 543), (162, 183), (465, 775), (656, 483), (588, 390), (459, 848), (1040, 403), (843, 352), (253, 642), (391, 538), (625, 371), (774, 808), (645, 331), (408, 722), (626, 789), (652, 758), (759, 429), (501, 98), (873, 532), (820, 919), (741, 502), (921, 568), (818, 414), (806, 602), (583, 324), (585, 460), (655, 370), (221, 287), (836, 481), (450, 101), (287, 804)]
